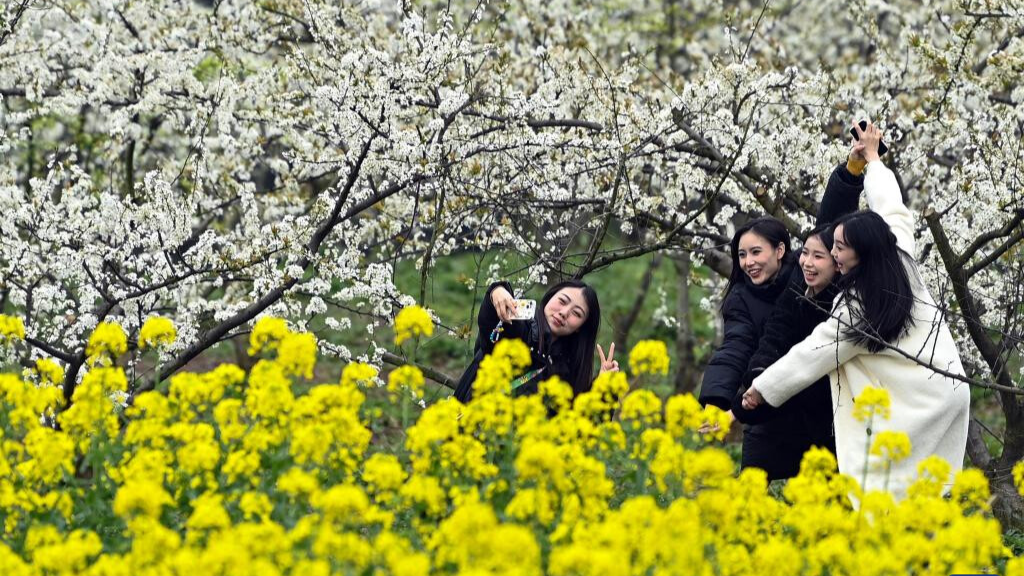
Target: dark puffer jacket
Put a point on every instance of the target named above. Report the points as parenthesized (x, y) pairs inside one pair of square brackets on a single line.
[(744, 313), (775, 439), (552, 361), (762, 333)]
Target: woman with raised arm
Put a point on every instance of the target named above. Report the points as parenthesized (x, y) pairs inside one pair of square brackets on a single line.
[(885, 331), (561, 336)]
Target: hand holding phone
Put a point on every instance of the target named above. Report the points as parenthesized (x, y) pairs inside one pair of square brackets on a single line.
[(882, 148)]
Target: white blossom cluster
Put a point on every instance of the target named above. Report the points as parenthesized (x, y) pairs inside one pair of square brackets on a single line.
[(217, 161)]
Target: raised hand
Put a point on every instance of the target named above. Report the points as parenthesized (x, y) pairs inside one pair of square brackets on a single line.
[(868, 141), (504, 304), (608, 363)]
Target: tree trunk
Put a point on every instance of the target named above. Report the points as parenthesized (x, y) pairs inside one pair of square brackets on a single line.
[(625, 324), (687, 373)]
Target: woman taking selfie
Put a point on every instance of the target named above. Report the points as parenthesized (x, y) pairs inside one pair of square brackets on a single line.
[(561, 335)]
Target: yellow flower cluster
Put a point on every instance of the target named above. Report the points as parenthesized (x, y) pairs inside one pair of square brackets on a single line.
[(155, 332), (49, 372), (267, 334), (11, 328), (872, 402), (407, 377), (106, 344), (1018, 477), (412, 321), (296, 351), (250, 474), (649, 357), (496, 371), (890, 445), (358, 374)]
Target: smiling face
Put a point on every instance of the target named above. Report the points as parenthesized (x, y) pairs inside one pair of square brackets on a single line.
[(845, 256), (758, 258), (566, 311), (817, 264)]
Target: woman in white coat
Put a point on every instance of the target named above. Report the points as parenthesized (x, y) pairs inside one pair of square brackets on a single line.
[(885, 331)]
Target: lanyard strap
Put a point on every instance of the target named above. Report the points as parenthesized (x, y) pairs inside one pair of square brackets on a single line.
[(526, 378)]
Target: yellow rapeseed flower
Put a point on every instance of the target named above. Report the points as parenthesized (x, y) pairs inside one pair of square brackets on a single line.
[(383, 473), (970, 490), (52, 455), (256, 505), (649, 357), (683, 414), (933, 475), (718, 421), (611, 387), (157, 331), (409, 377), (141, 497), (1015, 567), (56, 553), (514, 351), (818, 462), (297, 354), (498, 368), (871, 402), (267, 334), (49, 371), (555, 394), (297, 481), (358, 373), (11, 328), (208, 513), (893, 446), (1018, 476), (106, 343), (412, 321), (641, 407)]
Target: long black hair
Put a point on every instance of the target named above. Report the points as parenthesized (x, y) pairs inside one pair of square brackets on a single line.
[(879, 282), (580, 344), (766, 227)]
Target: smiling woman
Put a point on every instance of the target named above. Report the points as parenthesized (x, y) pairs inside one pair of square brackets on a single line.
[(561, 336), (760, 254)]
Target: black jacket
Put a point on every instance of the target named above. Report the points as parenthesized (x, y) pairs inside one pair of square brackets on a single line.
[(776, 439), (553, 360), (744, 313)]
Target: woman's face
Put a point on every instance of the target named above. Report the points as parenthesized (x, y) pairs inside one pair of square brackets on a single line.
[(845, 256), (758, 258), (566, 311), (817, 264)]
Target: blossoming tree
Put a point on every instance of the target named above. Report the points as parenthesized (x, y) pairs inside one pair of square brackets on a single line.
[(218, 160)]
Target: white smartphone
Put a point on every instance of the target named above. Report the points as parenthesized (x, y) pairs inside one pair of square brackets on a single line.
[(525, 309)]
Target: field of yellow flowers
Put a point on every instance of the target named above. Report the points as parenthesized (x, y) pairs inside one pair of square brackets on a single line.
[(235, 473)]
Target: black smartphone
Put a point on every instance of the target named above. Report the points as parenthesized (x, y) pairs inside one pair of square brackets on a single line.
[(882, 148)]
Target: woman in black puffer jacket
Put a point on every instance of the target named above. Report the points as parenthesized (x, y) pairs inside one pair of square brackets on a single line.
[(773, 444), (561, 337)]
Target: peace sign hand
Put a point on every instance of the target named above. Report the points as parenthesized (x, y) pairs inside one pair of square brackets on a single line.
[(608, 363)]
